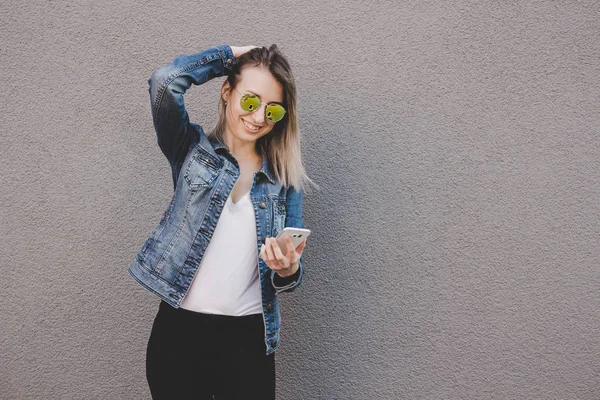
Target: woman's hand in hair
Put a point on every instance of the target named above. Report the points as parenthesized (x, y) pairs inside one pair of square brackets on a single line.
[(239, 50), (283, 261)]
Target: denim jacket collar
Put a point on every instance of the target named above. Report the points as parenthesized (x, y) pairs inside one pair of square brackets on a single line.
[(264, 168)]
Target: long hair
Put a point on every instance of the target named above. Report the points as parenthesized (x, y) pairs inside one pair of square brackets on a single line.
[(281, 146)]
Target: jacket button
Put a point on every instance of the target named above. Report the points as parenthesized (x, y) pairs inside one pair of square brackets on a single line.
[(273, 343), (269, 307), (229, 62), (262, 204)]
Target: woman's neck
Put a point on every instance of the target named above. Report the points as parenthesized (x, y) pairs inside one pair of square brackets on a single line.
[(242, 150)]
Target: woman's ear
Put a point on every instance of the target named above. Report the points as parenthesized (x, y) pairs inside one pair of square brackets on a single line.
[(225, 91)]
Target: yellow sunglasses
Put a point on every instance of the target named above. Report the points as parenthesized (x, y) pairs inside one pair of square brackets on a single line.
[(250, 102)]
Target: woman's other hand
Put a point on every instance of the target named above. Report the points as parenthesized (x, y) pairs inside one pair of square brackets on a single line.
[(284, 264), (239, 50)]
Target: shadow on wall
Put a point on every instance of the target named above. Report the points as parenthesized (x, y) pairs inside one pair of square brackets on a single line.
[(342, 324)]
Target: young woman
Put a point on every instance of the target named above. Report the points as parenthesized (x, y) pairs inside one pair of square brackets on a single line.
[(213, 260)]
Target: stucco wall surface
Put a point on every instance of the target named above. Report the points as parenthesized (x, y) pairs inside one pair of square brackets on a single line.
[(455, 248)]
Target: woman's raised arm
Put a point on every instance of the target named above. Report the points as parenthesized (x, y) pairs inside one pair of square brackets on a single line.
[(168, 84)]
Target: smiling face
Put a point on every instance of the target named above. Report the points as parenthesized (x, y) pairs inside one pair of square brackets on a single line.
[(244, 125)]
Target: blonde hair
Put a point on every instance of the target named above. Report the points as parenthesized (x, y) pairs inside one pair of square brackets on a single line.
[(281, 146)]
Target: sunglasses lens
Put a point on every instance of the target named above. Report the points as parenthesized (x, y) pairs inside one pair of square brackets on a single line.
[(275, 112), (249, 102)]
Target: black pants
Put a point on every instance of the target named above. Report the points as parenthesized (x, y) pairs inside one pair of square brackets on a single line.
[(192, 355)]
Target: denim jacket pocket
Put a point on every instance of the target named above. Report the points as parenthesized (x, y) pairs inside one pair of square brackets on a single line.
[(201, 170)]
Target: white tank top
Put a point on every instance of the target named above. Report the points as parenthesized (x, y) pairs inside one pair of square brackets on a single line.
[(227, 280)]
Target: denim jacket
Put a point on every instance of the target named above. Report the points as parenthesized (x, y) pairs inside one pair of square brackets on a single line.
[(204, 173)]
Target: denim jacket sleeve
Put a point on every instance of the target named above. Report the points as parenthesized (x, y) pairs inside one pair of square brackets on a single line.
[(293, 219), (168, 84)]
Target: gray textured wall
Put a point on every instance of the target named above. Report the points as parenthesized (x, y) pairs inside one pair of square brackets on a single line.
[(455, 247)]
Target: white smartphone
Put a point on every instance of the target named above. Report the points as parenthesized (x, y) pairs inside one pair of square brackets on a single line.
[(298, 236)]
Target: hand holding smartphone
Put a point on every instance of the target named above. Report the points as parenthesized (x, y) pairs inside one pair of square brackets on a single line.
[(298, 235)]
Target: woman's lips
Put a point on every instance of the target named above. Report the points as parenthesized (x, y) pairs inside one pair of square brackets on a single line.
[(251, 127)]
